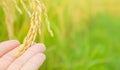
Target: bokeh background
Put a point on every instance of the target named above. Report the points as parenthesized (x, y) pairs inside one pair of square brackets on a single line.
[(86, 33)]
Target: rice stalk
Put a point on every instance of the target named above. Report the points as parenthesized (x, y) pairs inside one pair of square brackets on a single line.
[(26, 9), (17, 7), (9, 18), (36, 19)]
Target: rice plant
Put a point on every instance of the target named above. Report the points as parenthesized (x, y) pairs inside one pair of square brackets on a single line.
[(36, 20)]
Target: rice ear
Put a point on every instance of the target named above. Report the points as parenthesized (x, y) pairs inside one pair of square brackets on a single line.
[(36, 20)]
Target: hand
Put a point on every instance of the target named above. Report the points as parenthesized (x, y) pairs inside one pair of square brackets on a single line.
[(32, 59)]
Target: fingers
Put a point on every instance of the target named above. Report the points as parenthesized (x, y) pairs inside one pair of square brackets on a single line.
[(7, 59), (7, 46), (35, 62), (32, 51)]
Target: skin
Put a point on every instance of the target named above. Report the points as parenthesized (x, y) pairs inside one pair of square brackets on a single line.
[(32, 59)]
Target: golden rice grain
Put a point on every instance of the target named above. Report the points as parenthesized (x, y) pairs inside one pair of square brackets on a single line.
[(38, 7)]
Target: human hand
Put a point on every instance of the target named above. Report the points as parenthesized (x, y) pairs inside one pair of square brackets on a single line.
[(32, 59)]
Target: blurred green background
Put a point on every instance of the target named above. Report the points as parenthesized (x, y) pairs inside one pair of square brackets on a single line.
[(86, 33)]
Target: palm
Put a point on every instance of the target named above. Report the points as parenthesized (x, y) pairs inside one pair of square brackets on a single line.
[(30, 60)]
